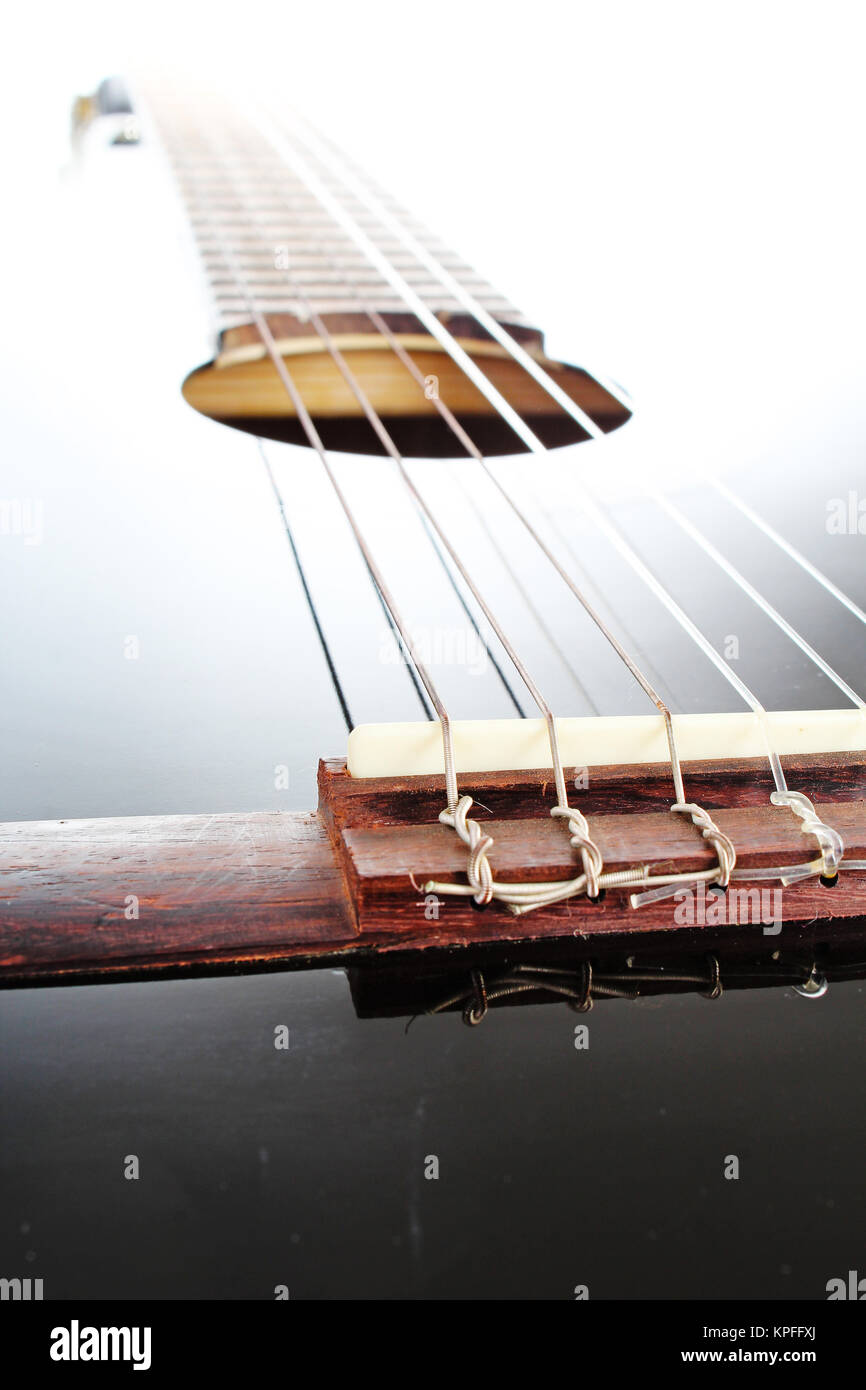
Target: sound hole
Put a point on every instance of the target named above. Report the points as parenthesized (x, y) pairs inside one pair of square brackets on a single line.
[(243, 389)]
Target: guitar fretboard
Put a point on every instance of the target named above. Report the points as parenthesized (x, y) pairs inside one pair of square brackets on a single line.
[(253, 217)]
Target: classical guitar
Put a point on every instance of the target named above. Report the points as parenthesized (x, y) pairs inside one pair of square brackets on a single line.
[(588, 714)]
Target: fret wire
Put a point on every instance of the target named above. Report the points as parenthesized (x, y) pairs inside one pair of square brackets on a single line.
[(749, 589), (198, 190), (789, 549), (345, 176), (415, 303)]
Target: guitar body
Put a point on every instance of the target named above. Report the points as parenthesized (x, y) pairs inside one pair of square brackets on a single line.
[(193, 630)]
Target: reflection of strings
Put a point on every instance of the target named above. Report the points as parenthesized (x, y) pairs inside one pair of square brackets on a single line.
[(580, 988), (323, 642)]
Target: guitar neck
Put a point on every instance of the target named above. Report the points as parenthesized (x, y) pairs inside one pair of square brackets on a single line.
[(249, 210)]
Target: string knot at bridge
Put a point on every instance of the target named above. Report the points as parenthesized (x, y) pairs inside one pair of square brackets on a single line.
[(725, 852), (478, 869), (590, 854), (831, 842)]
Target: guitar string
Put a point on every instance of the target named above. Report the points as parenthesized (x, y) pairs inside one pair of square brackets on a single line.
[(406, 662), (356, 188), (521, 515), (818, 575), (359, 295), (481, 882), (565, 540), (332, 205), (307, 176), (322, 330), (589, 852), (830, 842), (525, 897), (689, 528), (790, 550), (361, 188), (483, 523), (700, 818), (378, 429), (413, 302), (404, 659), (797, 802), (378, 578)]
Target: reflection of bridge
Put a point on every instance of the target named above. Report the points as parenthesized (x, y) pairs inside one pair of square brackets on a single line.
[(806, 959)]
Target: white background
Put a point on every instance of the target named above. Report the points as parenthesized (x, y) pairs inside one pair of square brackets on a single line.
[(673, 191)]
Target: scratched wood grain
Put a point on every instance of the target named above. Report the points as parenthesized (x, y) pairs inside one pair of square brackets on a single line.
[(385, 830), (221, 889)]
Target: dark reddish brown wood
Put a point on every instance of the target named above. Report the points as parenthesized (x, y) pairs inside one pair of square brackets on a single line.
[(386, 830), (524, 795), (210, 890), (265, 889), (286, 325)]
